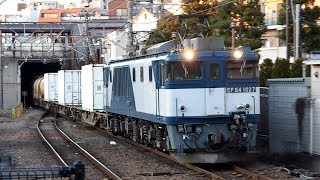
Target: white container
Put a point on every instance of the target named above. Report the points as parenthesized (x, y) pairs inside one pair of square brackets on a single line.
[(51, 87), (69, 87), (93, 90)]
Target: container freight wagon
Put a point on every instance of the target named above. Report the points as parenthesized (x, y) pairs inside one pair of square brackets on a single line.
[(93, 90), (69, 87), (51, 87)]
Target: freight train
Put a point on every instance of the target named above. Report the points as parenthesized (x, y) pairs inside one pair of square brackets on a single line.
[(194, 100)]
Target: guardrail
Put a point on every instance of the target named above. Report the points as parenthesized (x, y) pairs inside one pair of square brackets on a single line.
[(17, 111)]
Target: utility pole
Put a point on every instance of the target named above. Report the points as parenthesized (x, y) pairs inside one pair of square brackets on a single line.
[(287, 29), (233, 25), (1, 69), (88, 52), (297, 33), (1, 64), (130, 48)]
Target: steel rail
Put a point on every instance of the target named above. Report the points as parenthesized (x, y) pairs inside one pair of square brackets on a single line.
[(161, 154), (56, 154), (250, 174), (91, 158)]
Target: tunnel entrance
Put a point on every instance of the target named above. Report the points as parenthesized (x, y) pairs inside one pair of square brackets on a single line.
[(30, 71)]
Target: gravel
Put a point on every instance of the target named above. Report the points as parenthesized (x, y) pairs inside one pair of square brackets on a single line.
[(21, 141)]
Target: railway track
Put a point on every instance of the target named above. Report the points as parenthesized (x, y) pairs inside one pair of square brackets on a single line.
[(230, 170), (130, 161), (68, 152), (226, 171)]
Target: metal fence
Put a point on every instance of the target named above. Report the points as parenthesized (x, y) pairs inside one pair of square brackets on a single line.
[(76, 171), (263, 126)]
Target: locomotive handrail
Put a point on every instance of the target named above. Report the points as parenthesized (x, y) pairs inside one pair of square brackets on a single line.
[(138, 57)]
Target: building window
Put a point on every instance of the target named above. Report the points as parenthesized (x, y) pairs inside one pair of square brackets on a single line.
[(121, 12), (141, 74), (145, 16), (49, 15), (150, 73)]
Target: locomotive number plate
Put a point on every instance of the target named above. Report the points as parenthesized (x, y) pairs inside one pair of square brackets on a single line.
[(240, 89)]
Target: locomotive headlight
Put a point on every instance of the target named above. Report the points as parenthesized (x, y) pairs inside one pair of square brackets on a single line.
[(237, 53), (247, 106), (240, 107), (188, 54)]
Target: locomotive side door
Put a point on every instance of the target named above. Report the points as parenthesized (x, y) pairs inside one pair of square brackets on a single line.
[(215, 91), (106, 76), (158, 72)]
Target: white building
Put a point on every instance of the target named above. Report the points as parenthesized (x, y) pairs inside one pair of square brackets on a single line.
[(101, 4), (42, 4), (272, 48), (143, 23), (115, 43), (173, 6)]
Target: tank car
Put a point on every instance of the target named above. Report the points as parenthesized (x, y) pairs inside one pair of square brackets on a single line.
[(38, 90), (197, 101)]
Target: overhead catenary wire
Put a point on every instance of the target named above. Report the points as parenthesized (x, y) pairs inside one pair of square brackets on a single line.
[(81, 38)]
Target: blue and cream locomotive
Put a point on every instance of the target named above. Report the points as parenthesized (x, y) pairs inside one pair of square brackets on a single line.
[(197, 101)]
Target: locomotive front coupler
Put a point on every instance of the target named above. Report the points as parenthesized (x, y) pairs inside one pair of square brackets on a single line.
[(238, 117)]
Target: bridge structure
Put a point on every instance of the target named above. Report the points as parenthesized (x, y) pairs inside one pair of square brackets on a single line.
[(66, 45)]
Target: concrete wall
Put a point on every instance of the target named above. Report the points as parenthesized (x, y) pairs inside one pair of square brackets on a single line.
[(11, 84), (283, 119)]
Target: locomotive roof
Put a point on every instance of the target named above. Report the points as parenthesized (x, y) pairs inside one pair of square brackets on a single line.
[(204, 47)]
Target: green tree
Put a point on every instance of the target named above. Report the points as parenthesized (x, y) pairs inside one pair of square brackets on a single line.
[(164, 29), (249, 22), (210, 18), (296, 68), (281, 68), (266, 68), (193, 23)]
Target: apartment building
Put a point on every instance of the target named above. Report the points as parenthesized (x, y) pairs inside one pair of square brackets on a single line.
[(101, 4)]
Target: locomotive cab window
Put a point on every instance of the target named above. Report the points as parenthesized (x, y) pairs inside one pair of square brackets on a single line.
[(214, 71), (183, 70), (242, 70)]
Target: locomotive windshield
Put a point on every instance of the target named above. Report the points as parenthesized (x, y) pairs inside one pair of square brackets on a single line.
[(183, 70), (242, 70)]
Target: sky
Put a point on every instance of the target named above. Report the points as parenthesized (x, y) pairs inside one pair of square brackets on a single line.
[(10, 6)]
